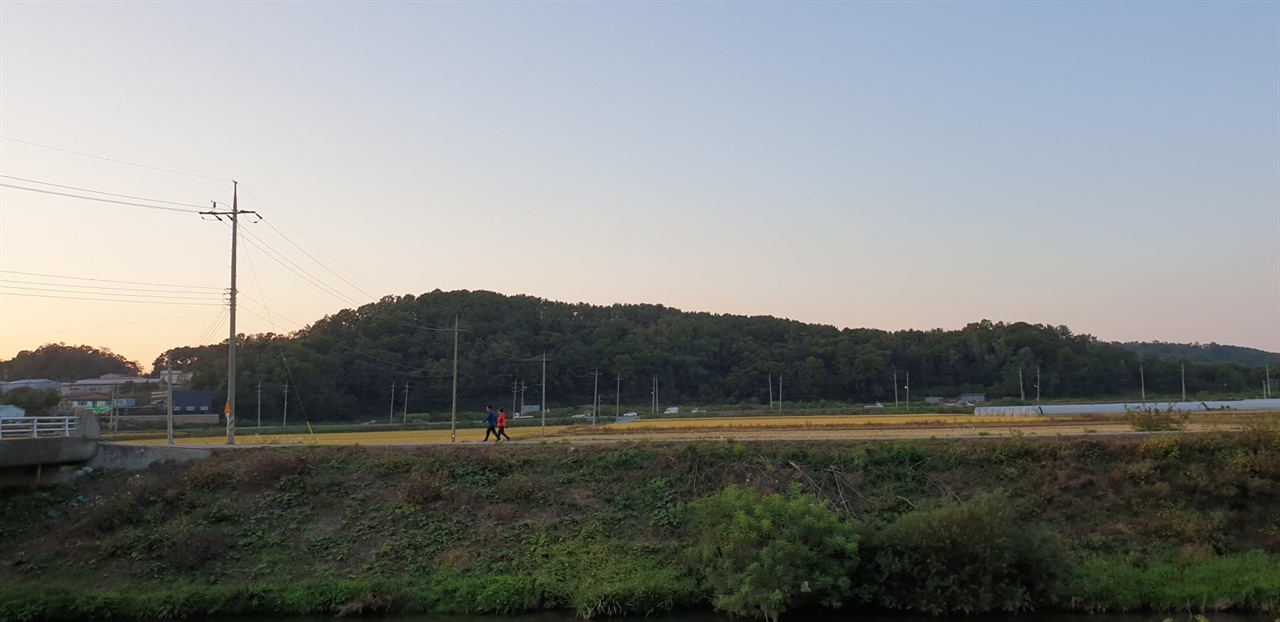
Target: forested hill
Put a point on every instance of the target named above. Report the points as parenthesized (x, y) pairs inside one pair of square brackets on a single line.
[(346, 363), (1204, 352)]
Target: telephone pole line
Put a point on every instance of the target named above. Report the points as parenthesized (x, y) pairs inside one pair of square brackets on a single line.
[(1183, 366), (234, 214), (595, 398), (168, 388), (453, 417), (544, 391), (406, 402)]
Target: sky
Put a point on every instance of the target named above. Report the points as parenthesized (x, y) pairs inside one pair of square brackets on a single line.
[(1109, 166)]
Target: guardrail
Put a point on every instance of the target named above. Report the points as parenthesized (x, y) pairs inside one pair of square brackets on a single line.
[(38, 427)]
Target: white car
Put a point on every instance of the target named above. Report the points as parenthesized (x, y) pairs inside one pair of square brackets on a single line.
[(582, 416), (630, 414)]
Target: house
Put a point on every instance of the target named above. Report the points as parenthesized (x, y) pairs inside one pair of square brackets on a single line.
[(35, 384), (96, 402), (105, 384), (193, 403), (175, 377), (973, 398), (8, 410), (936, 401)]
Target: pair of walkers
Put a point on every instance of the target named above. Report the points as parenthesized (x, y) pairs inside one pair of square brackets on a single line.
[(497, 425)]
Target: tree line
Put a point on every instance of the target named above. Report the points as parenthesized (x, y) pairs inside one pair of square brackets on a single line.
[(347, 363)]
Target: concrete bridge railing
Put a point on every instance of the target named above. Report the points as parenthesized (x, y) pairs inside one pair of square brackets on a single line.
[(37, 441), (38, 427)]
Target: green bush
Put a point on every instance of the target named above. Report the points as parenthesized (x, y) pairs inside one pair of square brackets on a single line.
[(761, 555), (969, 557)]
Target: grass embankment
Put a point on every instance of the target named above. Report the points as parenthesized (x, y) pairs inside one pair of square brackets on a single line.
[(1187, 522)]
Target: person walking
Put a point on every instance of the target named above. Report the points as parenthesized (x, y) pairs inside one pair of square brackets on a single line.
[(502, 425), (491, 420)]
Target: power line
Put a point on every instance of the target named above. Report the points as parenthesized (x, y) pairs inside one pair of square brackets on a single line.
[(69, 289), (111, 194), (83, 278), (308, 241), (77, 196), (97, 157), (106, 287), (154, 302)]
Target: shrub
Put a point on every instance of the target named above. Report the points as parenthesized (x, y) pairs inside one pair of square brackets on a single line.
[(761, 555), (969, 557)]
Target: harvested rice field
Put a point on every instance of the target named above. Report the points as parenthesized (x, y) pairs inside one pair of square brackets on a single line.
[(739, 428)]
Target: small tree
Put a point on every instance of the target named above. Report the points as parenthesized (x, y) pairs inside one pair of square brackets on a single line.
[(35, 401), (760, 555)]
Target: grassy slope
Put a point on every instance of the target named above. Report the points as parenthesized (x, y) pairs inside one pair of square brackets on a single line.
[(1165, 522)]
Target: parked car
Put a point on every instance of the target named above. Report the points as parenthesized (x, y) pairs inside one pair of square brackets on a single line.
[(582, 416), (630, 414)]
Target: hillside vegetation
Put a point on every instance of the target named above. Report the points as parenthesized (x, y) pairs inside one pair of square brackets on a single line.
[(1182, 522), (345, 364)]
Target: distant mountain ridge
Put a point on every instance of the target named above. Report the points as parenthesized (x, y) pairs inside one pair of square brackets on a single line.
[(1203, 352)]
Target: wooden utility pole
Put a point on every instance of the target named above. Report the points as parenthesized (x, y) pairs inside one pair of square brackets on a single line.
[(406, 402), (168, 400), (453, 417), (234, 215), (595, 397), (544, 391)]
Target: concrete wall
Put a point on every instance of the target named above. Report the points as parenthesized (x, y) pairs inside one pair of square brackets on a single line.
[(138, 457), (1122, 408), (23, 452)]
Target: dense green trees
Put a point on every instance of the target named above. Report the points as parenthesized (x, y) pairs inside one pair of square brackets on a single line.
[(57, 361), (345, 364)]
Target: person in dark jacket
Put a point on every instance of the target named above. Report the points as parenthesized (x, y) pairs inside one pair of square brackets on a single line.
[(490, 420)]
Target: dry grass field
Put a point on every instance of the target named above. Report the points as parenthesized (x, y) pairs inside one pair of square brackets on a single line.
[(746, 428)]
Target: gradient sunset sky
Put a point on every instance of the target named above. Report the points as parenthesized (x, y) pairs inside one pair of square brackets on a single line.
[(1110, 166)]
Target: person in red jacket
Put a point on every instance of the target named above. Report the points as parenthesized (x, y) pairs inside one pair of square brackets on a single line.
[(502, 425)]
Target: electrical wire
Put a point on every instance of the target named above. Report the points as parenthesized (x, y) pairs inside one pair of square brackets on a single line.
[(82, 278), (110, 194), (97, 157), (77, 196), (106, 287), (154, 302), (307, 240), (70, 290)]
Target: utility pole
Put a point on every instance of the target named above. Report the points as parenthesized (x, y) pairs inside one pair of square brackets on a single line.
[(1184, 381), (1037, 385), (284, 421), (453, 417), (523, 386), (1268, 393), (544, 391), (115, 422), (895, 388), (259, 403), (908, 387), (515, 388), (168, 400), (234, 214), (779, 394), (392, 413), (1142, 378), (1022, 393), (617, 399), (595, 397), (406, 402), (770, 392), (655, 394)]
